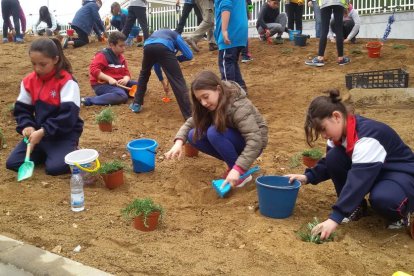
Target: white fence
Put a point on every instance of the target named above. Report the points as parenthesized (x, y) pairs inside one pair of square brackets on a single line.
[(167, 16)]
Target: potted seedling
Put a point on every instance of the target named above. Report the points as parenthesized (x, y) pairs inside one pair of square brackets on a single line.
[(112, 173), (311, 156), (105, 119), (305, 233), (145, 212)]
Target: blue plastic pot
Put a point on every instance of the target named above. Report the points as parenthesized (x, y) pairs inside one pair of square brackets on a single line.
[(143, 153), (277, 197), (292, 34)]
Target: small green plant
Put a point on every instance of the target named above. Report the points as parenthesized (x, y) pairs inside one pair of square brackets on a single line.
[(313, 153), (305, 233), (142, 207), (399, 46), (356, 51), (105, 116), (111, 167), (295, 161)]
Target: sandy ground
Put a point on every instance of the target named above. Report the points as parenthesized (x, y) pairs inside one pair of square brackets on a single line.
[(203, 234)]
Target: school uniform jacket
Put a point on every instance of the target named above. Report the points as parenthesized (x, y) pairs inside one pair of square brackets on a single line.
[(373, 147), (108, 63), (88, 18), (50, 103), (243, 116)]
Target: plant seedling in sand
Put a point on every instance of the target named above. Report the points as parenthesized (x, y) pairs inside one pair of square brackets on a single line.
[(142, 207), (305, 234), (313, 153), (105, 116)]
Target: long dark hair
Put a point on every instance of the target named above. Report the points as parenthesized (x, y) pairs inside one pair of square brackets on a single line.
[(51, 48), (203, 118), (44, 15), (319, 109)]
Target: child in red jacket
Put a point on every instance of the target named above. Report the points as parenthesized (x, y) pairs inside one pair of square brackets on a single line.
[(108, 72)]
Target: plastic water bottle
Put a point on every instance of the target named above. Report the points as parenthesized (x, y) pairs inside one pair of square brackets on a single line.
[(77, 198)]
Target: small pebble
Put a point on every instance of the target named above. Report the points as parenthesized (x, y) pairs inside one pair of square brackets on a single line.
[(77, 249)]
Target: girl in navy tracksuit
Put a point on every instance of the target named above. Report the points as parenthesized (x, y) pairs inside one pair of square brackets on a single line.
[(86, 19), (47, 109), (11, 8), (363, 157)]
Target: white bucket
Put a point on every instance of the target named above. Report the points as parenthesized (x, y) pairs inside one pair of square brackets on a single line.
[(84, 159)]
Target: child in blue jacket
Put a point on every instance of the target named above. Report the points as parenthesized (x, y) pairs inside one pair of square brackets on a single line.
[(86, 19), (363, 157), (47, 109), (231, 36), (160, 51)]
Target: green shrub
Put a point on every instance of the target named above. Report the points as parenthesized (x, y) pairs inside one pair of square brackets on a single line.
[(105, 116), (313, 153), (110, 167), (305, 234), (142, 207)]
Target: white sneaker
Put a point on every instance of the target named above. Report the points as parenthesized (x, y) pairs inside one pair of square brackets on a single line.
[(399, 224)]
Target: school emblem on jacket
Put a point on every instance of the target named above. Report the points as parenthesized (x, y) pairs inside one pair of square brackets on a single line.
[(53, 94)]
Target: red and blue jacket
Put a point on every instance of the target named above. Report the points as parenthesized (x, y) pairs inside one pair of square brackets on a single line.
[(373, 147), (50, 103), (108, 63)]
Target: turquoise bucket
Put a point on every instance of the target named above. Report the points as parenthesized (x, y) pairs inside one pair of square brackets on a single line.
[(143, 153), (277, 197), (292, 34)]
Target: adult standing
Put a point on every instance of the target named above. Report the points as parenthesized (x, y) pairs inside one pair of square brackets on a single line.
[(207, 26)]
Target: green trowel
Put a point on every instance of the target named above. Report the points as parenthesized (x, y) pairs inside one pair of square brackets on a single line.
[(26, 169)]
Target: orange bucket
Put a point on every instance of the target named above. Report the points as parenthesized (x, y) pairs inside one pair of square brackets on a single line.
[(70, 32), (374, 49)]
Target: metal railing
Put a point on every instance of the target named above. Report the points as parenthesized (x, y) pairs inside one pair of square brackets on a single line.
[(167, 17)]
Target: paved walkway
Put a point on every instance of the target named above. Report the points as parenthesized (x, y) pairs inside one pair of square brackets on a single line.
[(19, 259)]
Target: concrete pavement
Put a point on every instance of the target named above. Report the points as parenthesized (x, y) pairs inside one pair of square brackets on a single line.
[(18, 258)]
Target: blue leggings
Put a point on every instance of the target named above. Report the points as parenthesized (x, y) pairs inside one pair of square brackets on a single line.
[(226, 146), (108, 94), (391, 194), (51, 153)]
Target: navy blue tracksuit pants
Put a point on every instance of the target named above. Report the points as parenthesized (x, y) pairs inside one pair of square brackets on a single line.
[(391, 196), (226, 146), (51, 153), (228, 61), (158, 53)]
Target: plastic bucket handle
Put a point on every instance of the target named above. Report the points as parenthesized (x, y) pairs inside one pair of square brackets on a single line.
[(98, 165)]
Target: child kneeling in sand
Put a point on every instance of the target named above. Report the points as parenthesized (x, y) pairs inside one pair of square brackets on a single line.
[(224, 124)]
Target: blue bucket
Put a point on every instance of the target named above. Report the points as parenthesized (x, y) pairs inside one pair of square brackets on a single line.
[(292, 34), (143, 154), (277, 197)]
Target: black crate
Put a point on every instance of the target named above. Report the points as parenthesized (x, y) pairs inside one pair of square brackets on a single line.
[(391, 78)]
